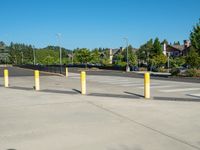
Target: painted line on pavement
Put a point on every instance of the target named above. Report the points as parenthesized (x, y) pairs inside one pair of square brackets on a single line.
[(180, 90), (155, 87), (194, 95)]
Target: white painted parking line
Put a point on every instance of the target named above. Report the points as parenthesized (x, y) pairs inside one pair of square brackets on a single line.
[(159, 87), (180, 90), (135, 84), (194, 95), (115, 83), (111, 81)]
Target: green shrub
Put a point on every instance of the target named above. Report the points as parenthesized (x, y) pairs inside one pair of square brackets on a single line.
[(193, 73), (162, 69), (175, 71), (142, 69), (122, 64)]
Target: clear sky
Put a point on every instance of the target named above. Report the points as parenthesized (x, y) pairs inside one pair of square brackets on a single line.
[(96, 23)]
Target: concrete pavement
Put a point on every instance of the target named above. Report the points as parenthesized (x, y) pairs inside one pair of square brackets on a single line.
[(58, 117)]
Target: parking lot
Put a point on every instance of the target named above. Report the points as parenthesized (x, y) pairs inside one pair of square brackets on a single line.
[(112, 116)]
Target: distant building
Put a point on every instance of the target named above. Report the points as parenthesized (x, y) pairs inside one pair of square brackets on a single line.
[(177, 50), (114, 52)]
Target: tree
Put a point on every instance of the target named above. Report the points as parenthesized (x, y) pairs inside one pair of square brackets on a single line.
[(165, 41), (177, 62), (144, 51), (83, 56), (119, 58), (157, 48), (132, 59), (195, 37), (95, 56), (193, 59), (158, 60), (177, 43)]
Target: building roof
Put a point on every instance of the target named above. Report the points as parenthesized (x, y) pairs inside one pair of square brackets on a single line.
[(179, 47)]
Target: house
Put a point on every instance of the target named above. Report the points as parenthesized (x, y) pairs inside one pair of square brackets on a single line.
[(115, 52), (177, 50)]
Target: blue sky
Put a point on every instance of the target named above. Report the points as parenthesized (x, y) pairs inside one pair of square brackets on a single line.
[(96, 23)]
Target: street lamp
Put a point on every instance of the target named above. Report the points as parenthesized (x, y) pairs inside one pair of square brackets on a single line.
[(34, 59), (22, 57), (72, 57), (59, 38), (127, 61), (168, 55)]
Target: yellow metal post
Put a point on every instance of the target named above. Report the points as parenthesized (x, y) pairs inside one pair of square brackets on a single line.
[(147, 85), (37, 80), (66, 72), (83, 82), (6, 82)]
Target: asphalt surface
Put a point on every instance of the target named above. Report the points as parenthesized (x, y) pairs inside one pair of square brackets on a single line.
[(17, 72), (134, 75), (112, 116), (103, 72)]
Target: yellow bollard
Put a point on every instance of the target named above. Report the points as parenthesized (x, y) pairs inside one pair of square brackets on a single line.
[(147, 85), (83, 82), (37, 80), (6, 82), (66, 72)]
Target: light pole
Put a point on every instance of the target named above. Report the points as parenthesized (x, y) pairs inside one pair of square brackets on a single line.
[(72, 57), (34, 59), (148, 61), (127, 61), (168, 55), (59, 38), (22, 57)]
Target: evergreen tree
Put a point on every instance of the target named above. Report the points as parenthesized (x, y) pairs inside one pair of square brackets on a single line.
[(195, 37), (157, 48), (193, 60)]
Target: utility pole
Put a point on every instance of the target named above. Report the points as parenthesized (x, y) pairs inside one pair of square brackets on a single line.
[(168, 55), (22, 57), (72, 57), (59, 40), (127, 61), (34, 59)]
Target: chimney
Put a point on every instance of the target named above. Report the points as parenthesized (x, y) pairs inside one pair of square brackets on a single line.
[(111, 56), (110, 51), (165, 49), (186, 43)]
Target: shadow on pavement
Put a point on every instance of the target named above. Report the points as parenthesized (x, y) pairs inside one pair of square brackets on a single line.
[(112, 95), (138, 95), (45, 90), (21, 88), (58, 91), (77, 91), (176, 99)]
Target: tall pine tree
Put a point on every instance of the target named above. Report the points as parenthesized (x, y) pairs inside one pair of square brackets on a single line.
[(195, 37)]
